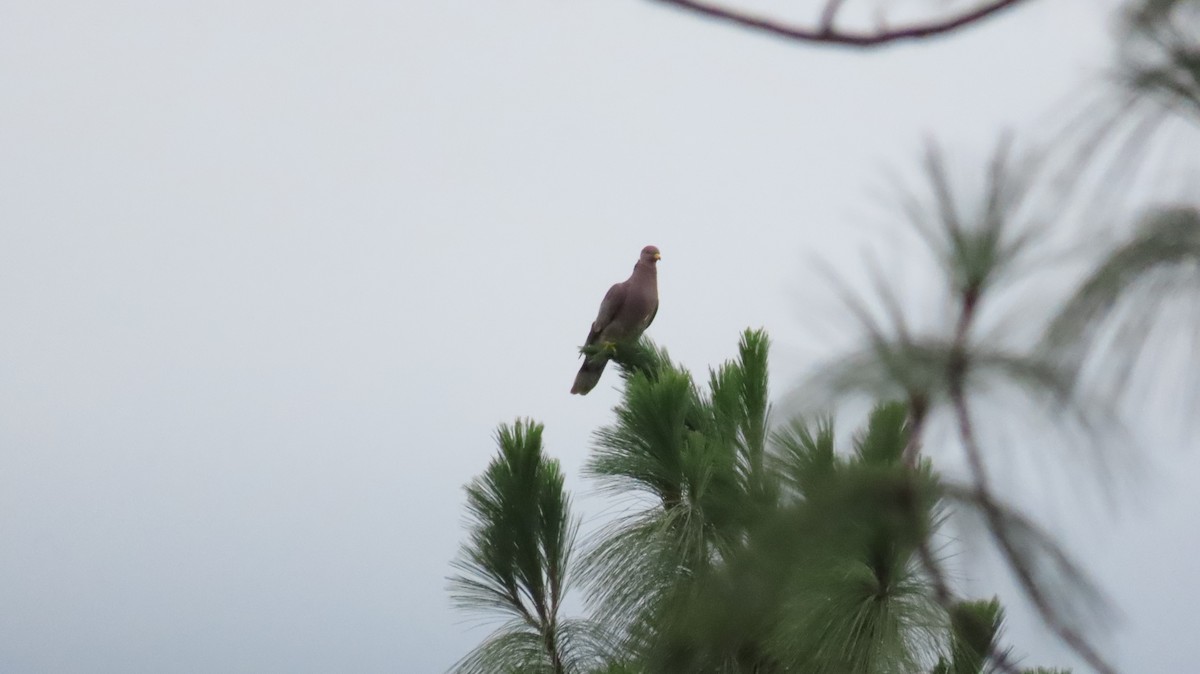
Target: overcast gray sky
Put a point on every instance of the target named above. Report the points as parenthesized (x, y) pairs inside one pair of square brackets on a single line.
[(272, 272)]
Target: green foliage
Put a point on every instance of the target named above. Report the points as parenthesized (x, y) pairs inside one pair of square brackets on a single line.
[(882, 442), (515, 562), (742, 549), (705, 613), (853, 581), (804, 457), (1158, 262), (1161, 52), (974, 628), (699, 456), (521, 529), (651, 446), (642, 357)]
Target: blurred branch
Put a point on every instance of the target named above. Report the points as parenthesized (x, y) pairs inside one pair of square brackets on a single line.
[(918, 409), (945, 597), (825, 33), (1161, 52), (1165, 247), (999, 527), (830, 14)]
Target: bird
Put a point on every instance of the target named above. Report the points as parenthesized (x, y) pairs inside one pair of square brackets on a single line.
[(627, 310)]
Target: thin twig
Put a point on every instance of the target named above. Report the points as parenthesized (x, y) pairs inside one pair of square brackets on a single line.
[(825, 34), (829, 14), (918, 409)]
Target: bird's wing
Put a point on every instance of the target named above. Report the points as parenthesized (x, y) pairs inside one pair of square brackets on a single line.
[(609, 308)]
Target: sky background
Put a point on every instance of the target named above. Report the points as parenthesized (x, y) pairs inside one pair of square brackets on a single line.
[(272, 272)]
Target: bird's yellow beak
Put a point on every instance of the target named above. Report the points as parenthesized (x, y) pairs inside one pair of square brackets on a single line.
[(658, 256)]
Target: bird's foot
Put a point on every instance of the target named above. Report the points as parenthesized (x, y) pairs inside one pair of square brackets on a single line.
[(599, 349)]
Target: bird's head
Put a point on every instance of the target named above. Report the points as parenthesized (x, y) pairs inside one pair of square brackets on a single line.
[(650, 255)]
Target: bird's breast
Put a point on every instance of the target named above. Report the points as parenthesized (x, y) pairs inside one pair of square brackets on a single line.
[(644, 302)]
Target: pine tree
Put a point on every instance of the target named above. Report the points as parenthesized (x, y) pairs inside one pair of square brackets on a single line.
[(747, 550)]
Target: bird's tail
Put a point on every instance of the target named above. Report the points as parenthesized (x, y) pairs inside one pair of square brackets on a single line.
[(589, 375)]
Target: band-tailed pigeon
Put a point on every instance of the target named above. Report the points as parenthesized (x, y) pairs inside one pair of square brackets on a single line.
[(626, 312)]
